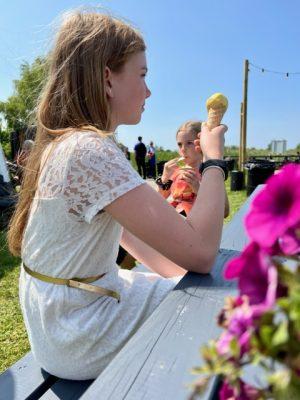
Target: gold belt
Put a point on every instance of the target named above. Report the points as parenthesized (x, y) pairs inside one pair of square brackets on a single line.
[(78, 283)]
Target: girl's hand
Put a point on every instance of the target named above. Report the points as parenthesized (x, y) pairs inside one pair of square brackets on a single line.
[(191, 178), (169, 169), (211, 142)]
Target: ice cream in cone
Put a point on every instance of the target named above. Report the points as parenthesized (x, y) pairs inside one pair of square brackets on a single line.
[(216, 106), (181, 163)]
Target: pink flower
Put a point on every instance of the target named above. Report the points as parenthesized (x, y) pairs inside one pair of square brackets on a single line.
[(250, 255), (245, 392), (231, 303), (226, 392), (240, 327), (290, 241), (257, 276), (276, 208), (223, 343)]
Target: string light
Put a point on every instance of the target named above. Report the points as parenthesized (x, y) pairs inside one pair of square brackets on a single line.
[(286, 74)]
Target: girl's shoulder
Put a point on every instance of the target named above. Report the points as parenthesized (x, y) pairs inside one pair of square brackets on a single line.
[(82, 141)]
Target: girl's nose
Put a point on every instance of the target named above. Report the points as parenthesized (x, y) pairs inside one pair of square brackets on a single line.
[(148, 92)]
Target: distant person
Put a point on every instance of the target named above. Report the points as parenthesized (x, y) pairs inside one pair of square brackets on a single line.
[(140, 155), (151, 160)]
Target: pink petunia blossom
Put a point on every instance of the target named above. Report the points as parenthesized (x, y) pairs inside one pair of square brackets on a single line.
[(226, 392), (276, 208), (223, 343), (231, 303), (257, 276), (240, 327), (245, 392), (290, 242)]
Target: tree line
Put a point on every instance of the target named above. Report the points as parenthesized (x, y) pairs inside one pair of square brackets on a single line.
[(18, 110)]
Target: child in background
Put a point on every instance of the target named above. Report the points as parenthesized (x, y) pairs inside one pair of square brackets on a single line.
[(180, 183)]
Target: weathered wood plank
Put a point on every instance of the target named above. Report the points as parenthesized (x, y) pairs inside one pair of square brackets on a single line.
[(24, 380), (234, 235), (155, 364), (65, 389)]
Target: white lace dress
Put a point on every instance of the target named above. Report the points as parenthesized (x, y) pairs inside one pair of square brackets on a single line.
[(73, 333)]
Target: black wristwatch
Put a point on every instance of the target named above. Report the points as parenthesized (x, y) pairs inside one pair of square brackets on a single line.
[(215, 163), (163, 186)]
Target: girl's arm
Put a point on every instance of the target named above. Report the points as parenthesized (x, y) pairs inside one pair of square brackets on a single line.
[(169, 168), (191, 243), (191, 178), (165, 193), (150, 257)]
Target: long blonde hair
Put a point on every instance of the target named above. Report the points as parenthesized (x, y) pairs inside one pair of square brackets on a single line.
[(74, 94)]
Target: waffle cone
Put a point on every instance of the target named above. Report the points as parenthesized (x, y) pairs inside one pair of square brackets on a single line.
[(215, 116)]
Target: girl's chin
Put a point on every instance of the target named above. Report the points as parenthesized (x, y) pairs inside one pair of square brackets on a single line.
[(133, 121)]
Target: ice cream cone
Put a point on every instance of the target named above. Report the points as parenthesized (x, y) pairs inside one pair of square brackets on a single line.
[(215, 116), (216, 106)]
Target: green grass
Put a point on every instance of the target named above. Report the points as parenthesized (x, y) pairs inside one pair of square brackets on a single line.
[(13, 338), (236, 199)]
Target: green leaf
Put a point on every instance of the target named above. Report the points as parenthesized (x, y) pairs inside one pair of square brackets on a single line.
[(284, 303), (234, 347), (291, 392), (266, 332), (281, 335)]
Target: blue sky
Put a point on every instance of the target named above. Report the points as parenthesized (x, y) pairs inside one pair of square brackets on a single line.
[(195, 48)]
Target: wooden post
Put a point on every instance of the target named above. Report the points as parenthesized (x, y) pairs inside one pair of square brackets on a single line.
[(244, 123), (241, 139)]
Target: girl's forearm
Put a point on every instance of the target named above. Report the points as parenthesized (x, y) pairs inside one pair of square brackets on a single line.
[(150, 257)]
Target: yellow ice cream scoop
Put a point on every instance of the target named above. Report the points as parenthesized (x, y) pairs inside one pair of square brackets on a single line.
[(216, 106)]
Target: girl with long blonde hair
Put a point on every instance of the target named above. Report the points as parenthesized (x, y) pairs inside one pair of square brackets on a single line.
[(81, 198)]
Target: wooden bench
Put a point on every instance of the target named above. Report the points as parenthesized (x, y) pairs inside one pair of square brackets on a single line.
[(155, 364)]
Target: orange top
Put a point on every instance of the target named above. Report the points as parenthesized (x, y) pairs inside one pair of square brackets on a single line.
[(182, 194)]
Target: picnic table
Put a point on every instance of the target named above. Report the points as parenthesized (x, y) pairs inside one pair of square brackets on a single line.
[(156, 362)]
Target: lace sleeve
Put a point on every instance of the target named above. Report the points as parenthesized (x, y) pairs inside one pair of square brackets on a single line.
[(97, 174)]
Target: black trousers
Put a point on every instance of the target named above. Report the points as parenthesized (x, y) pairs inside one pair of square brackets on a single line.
[(141, 166)]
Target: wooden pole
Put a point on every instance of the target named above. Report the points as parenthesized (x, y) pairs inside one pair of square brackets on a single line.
[(244, 123), (241, 139)]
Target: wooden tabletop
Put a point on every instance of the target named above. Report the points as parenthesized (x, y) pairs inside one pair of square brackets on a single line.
[(156, 363)]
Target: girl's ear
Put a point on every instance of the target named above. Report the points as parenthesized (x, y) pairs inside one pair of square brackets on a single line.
[(108, 83)]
